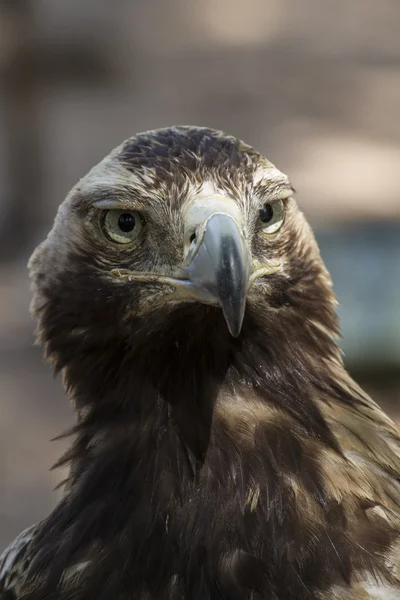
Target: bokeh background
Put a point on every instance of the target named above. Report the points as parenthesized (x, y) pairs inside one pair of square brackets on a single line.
[(314, 85)]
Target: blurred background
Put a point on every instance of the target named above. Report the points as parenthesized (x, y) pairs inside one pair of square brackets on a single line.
[(313, 85)]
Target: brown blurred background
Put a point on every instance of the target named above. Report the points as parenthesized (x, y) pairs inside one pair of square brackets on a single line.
[(314, 85)]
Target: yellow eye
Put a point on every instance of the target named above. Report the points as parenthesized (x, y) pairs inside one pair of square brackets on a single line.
[(122, 226), (271, 216)]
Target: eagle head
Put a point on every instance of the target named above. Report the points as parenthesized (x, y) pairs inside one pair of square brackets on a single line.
[(183, 229)]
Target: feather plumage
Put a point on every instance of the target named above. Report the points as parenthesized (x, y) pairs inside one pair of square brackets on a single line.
[(202, 465)]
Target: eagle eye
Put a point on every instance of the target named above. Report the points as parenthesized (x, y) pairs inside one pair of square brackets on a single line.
[(122, 226), (271, 216)]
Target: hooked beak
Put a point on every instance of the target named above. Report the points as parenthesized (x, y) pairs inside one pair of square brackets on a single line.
[(220, 265)]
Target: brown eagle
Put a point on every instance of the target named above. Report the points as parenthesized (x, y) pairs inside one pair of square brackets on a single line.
[(221, 450)]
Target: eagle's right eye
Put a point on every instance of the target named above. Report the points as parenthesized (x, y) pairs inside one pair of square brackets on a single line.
[(122, 226)]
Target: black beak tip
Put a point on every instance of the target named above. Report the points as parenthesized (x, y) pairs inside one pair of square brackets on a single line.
[(235, 330), (234, 319)]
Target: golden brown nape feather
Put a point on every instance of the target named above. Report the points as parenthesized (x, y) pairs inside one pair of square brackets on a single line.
[(221, 450)]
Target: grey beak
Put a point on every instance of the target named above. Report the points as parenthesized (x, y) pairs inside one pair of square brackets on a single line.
[(220, 267)]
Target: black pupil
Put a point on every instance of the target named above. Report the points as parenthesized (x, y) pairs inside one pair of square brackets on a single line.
[(266, 213), (126, 222)]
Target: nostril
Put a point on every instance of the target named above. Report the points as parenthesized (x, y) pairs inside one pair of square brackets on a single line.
[(190, 245)]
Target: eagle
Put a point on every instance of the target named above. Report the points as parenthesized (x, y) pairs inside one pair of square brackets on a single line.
[(220, 448)]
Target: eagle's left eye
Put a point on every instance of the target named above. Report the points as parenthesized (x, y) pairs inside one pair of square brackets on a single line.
[(122, 226), (271, 216)]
